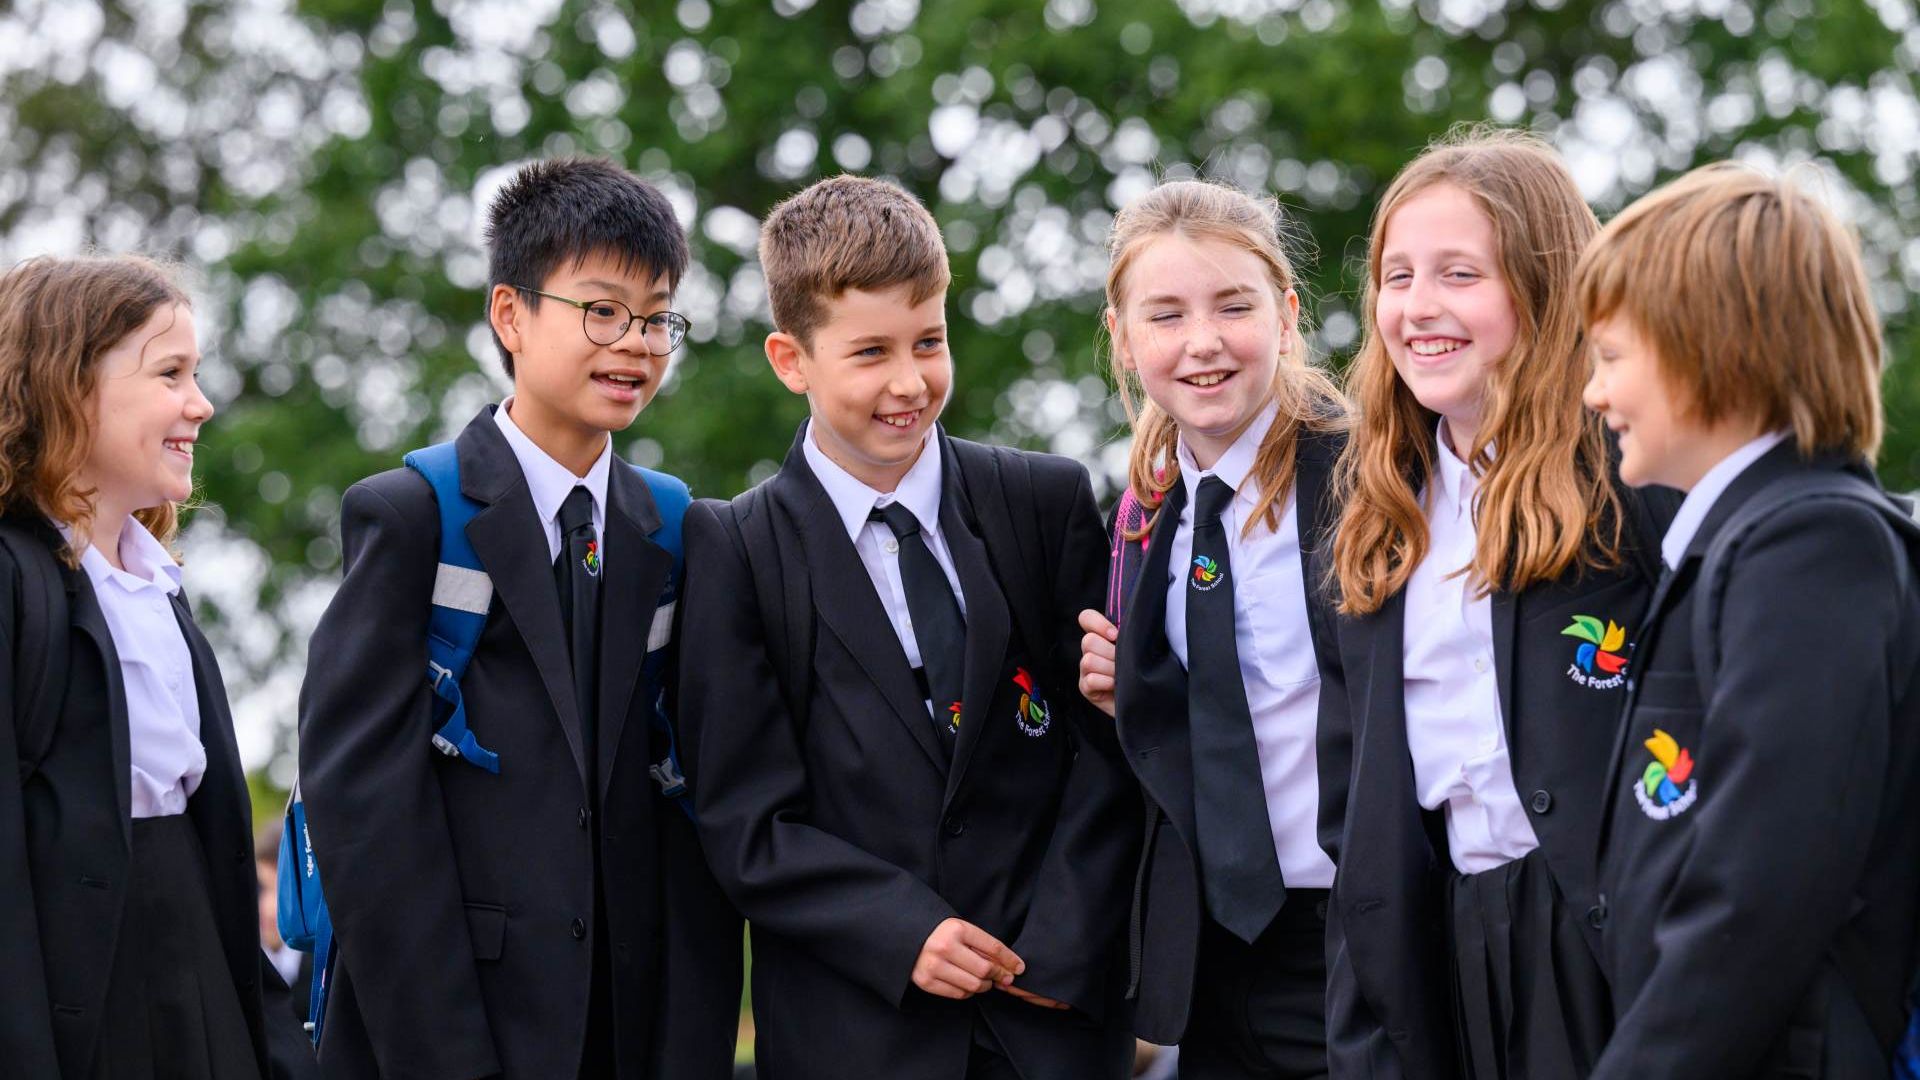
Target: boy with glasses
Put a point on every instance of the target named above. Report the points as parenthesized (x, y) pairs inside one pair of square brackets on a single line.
[(520, 920)]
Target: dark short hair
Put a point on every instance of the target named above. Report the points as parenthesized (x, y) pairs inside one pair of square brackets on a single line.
[(567, 209)]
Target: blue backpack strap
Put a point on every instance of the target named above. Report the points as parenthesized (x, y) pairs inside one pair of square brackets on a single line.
[(671, 498), (461, 593), (304, 921)]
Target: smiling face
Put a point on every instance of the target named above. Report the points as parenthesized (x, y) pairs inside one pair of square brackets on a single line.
[(1443, 308), (1661, 439), (1204, 327), (147, 412), (876, 377), (569, 392)]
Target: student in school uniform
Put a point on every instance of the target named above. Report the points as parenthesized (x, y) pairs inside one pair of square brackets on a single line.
[(1488, 567), (530, 921), (1213, 671), (895, 779), (1760, 853), (128, 945)]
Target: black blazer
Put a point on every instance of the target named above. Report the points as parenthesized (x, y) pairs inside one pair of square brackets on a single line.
[(1389, 994), (66, 836), (1760, 922), (844, 839), (1150, 699), (462, 900)]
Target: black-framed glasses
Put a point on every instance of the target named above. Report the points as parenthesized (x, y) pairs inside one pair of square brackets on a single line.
[(606, 321)]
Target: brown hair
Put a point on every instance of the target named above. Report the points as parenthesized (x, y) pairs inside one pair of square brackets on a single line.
[(1546, 503), (57, 317), (846, 232), (1755, 301), (1308, 399)]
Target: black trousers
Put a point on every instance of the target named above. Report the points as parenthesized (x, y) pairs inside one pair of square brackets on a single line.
[(172, 1009), (1531, 1001), (1260, 1010)]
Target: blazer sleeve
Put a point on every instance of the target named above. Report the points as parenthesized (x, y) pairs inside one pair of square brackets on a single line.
[(1073, 926), (374, 805), (1792, 760), (26, 1024), (858, 913)]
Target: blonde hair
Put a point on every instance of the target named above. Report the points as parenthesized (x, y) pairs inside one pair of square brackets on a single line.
[(1307, 398), (1755, 301), (846, 232), (1546, 503), (57, 318)]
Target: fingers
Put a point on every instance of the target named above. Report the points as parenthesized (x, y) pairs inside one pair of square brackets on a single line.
[(992, 950), (1094, 623), (960, 960), (945, 979), (1097, 660)]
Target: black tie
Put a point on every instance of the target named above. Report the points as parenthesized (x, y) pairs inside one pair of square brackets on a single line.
[(577, 576), (1241, 876), (938, 627)]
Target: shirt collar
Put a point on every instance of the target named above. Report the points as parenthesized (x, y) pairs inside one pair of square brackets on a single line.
[(548, 481), (1456, 480), (1693, 509), (148, 563), (853, 500), (1234, 465)]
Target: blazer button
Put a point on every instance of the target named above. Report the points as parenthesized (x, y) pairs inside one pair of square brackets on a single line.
[(579, 930), (1541, 802), (1597, 915), (955, 825), (583, 817)]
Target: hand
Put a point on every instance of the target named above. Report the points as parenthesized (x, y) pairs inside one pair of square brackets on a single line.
[(1031, 998), (960, 960), (1096, 659)]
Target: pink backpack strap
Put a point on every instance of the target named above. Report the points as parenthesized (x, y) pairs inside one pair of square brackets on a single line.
[(1125, 557)]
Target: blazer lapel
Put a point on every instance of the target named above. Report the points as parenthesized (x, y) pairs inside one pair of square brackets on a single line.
[(1506, 614), (635, 575), (845, 598), (987, 625), (506, 535), (1151, 688), (216, 721), (85, 613)]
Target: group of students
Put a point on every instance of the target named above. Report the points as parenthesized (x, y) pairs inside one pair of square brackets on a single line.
[(1538, 705)]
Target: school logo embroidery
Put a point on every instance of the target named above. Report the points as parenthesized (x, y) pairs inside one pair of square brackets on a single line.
[(1033, 715), (592, 558), (1668, 787), (1206, 574), (953, 717), (1600, 662)]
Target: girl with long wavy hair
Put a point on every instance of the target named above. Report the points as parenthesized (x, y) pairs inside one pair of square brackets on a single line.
[(129, 944), (1217, 687), (1488, 567)]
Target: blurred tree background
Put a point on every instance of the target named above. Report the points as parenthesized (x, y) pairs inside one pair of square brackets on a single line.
[(322, 163)]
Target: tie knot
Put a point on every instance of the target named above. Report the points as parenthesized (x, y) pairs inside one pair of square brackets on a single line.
[(1210, 501), (576, 512), (897, 518)]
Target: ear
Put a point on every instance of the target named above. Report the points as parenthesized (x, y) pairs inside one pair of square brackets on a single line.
[(504, 313), (784, 353), (1119, 340), (1289, 320)]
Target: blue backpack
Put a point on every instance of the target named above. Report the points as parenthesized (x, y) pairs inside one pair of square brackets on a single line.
[(461, 594)]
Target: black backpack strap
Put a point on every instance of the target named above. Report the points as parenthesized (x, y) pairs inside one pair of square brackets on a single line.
[(780, 586), (999, 486), (39, 630)]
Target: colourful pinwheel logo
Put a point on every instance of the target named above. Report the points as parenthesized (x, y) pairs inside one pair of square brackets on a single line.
[(592, 559), (1206, 573), (953, 717), (1601, 645), (1666, 788), (1033, 715)]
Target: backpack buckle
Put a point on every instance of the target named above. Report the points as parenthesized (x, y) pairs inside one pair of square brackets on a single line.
[(673, 783)]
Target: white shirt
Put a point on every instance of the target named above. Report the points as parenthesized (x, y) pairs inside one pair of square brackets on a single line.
[(854, 501), (1454, 729), (1275, 646), (156, 670), (551, 482), (286, 961), (1693, 509)]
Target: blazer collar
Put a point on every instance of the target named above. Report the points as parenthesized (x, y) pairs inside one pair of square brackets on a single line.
[(988, 619)]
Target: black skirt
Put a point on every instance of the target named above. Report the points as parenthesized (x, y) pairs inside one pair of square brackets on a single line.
[(1532, 1003), (172, 1008)]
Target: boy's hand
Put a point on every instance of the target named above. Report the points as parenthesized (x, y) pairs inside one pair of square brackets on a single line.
[(960, 960), (1096, 659), (1032, 998)]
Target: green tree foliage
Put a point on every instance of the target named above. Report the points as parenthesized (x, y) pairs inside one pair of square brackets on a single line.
[(324, 162)]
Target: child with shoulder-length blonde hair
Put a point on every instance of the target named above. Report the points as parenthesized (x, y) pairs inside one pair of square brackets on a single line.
[(130, 943), (1759, 856), (1213, 674), (1488, 568)]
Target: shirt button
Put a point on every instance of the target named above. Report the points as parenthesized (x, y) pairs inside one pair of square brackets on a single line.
[(891, 547), (1479, 663), (579, 930)]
